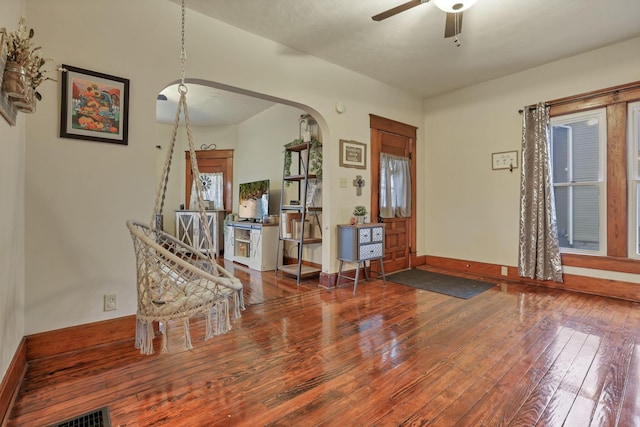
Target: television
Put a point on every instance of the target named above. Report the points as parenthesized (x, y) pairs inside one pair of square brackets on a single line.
[(253, 200)]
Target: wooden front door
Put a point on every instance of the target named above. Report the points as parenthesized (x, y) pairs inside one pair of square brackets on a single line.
[(212, 161), (388, 136)]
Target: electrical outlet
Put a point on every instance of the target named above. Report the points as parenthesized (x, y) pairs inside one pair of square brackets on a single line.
[(504, 271), (110, 302)]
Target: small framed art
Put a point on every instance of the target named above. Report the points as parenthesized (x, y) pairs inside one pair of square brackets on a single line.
[(504, 160), (353, 154)]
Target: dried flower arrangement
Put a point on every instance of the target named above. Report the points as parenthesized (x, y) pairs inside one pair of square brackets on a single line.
[(25, 60)]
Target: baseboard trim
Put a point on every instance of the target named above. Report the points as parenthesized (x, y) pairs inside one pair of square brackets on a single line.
[(589, 285), (328, 280), (11, 382), (52, 343)]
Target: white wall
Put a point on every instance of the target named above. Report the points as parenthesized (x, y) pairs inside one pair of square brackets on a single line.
[(12, 260), (260, 154), (471, 210), (79, 194)]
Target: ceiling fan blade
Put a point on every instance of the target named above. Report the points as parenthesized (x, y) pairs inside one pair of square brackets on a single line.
[(450, 28), (394, 11)]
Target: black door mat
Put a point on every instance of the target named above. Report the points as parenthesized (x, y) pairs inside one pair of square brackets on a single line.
[(97, 418), (458, 287)]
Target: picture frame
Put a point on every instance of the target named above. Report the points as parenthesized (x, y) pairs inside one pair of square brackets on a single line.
[(504, 160), (94, 106), (353, 154)]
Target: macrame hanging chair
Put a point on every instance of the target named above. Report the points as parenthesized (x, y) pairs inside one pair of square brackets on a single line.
[(176, 281)]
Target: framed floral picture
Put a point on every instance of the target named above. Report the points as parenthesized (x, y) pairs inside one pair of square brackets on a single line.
[(95, 106), (353, 154)]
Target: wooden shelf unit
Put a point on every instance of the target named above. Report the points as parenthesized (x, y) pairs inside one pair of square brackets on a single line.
[(293, 230)]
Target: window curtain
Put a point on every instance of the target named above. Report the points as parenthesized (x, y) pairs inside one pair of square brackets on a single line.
[(395, 186), (212, 185), (539, 252)]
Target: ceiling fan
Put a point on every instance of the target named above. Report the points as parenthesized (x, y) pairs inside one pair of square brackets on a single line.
[(453, 8)]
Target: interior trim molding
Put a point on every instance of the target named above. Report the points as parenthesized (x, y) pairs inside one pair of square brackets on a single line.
[(589, 285), (328, 280), (12, 380), (58, 341), (621, 265)]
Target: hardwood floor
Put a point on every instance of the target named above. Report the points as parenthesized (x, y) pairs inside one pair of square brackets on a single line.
[(515, 355)]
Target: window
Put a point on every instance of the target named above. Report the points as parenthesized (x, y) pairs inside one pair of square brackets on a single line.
[(212, 190), (395, 186), (634, 178), (578, 149), (212, 162), (618, 191)]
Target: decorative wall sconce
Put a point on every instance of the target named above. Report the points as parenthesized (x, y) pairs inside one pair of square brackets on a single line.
[(21, 72)]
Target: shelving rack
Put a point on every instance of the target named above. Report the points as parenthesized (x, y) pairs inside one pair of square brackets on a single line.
[(287, 232)]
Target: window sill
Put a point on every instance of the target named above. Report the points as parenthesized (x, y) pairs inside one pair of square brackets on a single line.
[(622, 265)]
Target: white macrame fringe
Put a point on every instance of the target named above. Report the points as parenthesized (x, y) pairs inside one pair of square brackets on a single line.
[(164, 329), (209, 326), (144, 336), (187, 334), (238, 304), (217, 322)]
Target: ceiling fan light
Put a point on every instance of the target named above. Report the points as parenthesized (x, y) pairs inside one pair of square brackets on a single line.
[(454, 6)]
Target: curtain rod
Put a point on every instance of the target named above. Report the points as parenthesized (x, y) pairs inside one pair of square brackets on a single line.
[(569, 101), (614, 90)]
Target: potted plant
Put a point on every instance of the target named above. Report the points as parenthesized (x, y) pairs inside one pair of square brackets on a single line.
[(359, 213)]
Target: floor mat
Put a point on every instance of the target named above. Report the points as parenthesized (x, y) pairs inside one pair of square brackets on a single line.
[(458, 287)]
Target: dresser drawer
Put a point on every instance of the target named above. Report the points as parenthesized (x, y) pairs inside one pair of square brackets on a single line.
[(377, 234), (364, 235), (373, 250)]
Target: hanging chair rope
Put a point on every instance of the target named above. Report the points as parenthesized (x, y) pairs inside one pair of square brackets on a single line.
[(174, 280)]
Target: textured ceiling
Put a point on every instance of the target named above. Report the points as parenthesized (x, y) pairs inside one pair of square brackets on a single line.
[(408, 51)]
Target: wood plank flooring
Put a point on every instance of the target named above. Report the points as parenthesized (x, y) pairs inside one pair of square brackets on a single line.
[(515, 355)]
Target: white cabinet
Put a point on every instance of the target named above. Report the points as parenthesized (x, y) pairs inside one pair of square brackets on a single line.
[(190, 230), (251, 244)]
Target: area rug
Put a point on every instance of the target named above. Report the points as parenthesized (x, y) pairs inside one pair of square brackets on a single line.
[(458, 287)]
